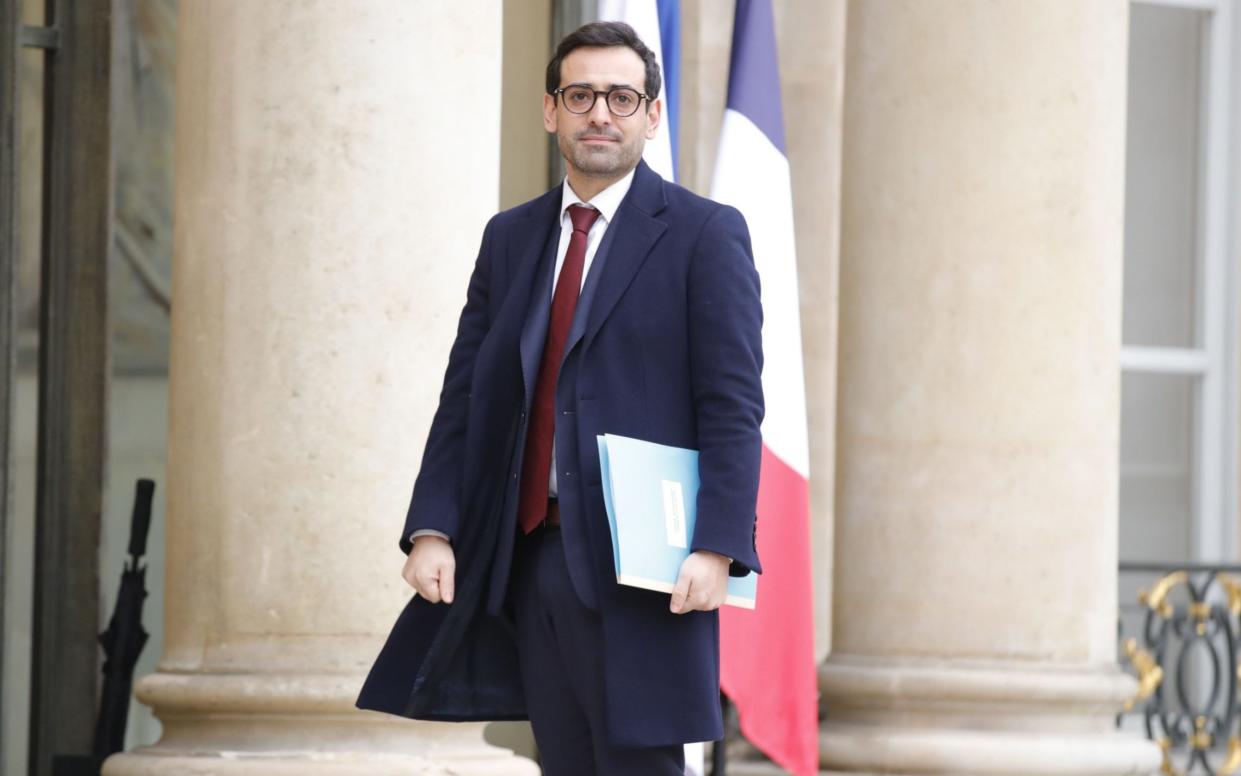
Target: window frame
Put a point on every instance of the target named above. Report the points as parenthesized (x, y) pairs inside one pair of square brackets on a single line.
[(1215, 536)]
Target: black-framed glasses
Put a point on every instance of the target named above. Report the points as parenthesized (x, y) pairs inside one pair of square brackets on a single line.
[(621, 100)]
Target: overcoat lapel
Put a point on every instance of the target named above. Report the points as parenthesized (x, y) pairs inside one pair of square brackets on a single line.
[(539, 258), (634, 235)]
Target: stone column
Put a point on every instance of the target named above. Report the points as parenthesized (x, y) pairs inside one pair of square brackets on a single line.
[(335, 164), (811, 39), (974, 610)]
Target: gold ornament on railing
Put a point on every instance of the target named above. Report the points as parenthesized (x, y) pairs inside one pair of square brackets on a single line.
[(1201, 612), (1233, 762), (1233, 588), (1186, 665), (1150, 673), (1165, 767), (1200, 739), (1157, 598)]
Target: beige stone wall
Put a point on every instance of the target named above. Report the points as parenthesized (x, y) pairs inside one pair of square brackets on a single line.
[(524, 145)]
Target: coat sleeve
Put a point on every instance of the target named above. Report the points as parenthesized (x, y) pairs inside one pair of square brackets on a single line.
[(726, 362), (435, 503)]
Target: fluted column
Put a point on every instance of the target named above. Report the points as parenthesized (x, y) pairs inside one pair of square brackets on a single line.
[(335, 164), (974, 610)]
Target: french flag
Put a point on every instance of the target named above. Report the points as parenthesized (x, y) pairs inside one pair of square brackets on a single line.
[(769, 669)]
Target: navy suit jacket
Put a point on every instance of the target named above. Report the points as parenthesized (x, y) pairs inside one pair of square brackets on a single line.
[(665, 346)]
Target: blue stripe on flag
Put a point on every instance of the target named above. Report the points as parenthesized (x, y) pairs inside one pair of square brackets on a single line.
[(754, 73), (670, 40)]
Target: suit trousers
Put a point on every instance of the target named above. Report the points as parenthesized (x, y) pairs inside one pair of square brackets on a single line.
[(560, 651)]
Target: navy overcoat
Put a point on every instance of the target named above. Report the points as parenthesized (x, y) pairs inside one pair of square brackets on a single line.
[(665, 346)]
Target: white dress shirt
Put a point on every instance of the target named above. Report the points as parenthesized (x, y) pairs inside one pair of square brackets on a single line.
[(606, 202)]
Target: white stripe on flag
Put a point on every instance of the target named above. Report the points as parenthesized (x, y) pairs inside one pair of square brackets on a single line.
[(753, 176)]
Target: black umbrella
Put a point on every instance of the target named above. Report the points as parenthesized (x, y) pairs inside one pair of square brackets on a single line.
[(125, 637)]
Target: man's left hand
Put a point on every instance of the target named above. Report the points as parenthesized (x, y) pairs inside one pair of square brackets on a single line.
[(702, 584)]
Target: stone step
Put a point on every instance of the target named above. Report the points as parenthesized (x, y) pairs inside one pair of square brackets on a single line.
[(753, 768)]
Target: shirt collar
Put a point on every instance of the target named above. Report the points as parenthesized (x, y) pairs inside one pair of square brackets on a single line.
[(606, 201)]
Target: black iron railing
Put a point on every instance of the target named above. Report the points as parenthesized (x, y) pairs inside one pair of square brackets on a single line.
[(1181, 642)]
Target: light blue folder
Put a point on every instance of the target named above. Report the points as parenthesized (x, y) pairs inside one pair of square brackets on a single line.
[(651, 495)]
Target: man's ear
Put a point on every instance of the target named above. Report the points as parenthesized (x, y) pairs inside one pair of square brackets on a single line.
[(549, 113), (653, 117)]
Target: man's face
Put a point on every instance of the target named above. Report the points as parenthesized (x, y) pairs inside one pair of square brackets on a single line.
[(598, 143)]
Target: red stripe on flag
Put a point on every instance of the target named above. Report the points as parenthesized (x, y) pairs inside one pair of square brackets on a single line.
[(767, 654)]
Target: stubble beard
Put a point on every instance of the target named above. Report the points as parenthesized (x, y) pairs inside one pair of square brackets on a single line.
[(601, 162)]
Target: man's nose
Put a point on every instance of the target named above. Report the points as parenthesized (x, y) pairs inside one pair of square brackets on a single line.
[(599, 112)]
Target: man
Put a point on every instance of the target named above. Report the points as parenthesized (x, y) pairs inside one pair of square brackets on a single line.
[(615, 303)]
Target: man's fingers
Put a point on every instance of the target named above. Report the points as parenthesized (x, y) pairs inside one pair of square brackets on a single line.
[(428, 586), (696, 601), (679, 594), (429, 570), (431, 592), (447, 583), (408, 573)]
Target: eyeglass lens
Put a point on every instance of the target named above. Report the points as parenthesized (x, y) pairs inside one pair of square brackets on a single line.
[(622, 101)]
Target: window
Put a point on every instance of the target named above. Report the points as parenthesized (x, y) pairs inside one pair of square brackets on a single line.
[(1178, 495)]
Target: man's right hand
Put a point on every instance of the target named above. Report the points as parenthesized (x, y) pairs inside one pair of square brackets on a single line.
[(430, 569)]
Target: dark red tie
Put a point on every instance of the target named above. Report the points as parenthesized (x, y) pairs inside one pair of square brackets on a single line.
[(537, 463)]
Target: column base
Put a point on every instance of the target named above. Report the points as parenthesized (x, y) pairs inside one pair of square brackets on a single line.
[(150, 763), (298, 725), (914, 717)]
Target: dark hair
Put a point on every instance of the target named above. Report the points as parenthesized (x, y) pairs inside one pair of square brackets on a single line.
[(603, 35)]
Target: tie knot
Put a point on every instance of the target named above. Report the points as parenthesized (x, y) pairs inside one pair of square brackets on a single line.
[(583, 217)]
